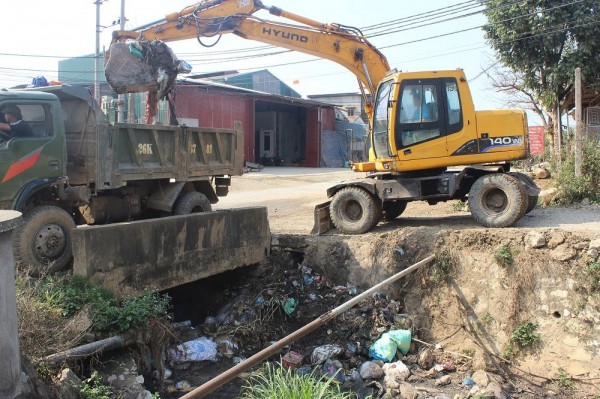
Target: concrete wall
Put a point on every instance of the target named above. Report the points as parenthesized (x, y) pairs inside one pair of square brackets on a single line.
[(163, 253)]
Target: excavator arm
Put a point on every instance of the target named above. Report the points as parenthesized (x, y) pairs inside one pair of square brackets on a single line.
[(341, 44)]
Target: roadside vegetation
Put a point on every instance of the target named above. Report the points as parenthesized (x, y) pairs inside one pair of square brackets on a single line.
[(572, 189), (275, 382), (56, 311)]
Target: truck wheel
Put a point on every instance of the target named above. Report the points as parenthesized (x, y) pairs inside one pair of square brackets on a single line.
[(354, 211), (497, 200), (191, 202), (393, 209), (532, 200), (43, 242)]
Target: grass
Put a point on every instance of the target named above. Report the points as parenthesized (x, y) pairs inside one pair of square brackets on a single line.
[(563, 380), (46, 304), (276, 382), (444, 267), (93, 388), (524, 336), (504, 256)]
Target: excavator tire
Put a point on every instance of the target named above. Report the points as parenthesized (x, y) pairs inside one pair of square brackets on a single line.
[(42, 244), (191, 202), (497, 200), (393, 209), (354, 210), (532, 200)]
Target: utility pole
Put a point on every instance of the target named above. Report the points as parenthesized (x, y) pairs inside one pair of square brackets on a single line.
[(97, 57), (121, 98), (578, 123)]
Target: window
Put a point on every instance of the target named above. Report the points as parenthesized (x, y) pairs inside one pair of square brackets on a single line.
[(350, 111), (419, 114), (38, 117), (381, 120), (454, 110)]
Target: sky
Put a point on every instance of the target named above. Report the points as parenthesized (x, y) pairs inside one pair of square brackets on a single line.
[(36, 34)]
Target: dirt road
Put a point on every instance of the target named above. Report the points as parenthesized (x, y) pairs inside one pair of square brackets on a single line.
[(290, 194)]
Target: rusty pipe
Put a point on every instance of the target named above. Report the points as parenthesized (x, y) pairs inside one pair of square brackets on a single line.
[(274, 348)]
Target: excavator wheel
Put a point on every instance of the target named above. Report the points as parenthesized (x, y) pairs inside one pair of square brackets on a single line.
[(532, 200), (191, 202), (43, 242), (497, 200), (393, 209), (354, 210)]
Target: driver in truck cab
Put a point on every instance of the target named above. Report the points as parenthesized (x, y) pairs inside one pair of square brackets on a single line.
[(12, 122)]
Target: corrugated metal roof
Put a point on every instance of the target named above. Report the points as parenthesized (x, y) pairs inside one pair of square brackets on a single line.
[(255, 93)]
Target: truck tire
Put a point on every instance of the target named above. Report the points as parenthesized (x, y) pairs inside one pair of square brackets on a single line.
[(497, 200), (532, 200), (393, 209), (44, 241), (191, 202), (354, 210)]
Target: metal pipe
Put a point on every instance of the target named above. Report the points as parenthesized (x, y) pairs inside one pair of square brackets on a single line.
[(233, 372)]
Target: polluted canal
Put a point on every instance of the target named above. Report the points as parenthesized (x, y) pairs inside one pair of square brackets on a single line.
[(445, 331)]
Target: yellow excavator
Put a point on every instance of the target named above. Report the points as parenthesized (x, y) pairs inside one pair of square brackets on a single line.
[(422, 125)]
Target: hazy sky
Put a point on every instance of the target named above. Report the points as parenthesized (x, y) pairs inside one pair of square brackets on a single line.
[(36, 34)]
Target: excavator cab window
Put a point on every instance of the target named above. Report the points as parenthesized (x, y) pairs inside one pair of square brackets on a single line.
[(381, 120), (418, 119)]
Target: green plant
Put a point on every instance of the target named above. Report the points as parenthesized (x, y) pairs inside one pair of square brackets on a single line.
[(275, 382), (572, 189), (504, 256), (468, 352), (510, 352), (444, 266), (525, 335), (487, 319), (563, 380), (93, 388), (593, 276), (460, 206)]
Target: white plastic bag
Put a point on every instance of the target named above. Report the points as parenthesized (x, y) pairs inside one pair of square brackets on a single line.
[(196, 350)]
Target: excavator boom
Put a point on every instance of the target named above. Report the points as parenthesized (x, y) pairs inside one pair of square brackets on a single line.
[(343, 45)]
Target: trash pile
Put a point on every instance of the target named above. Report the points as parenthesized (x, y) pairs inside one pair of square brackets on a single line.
[(372, 349)]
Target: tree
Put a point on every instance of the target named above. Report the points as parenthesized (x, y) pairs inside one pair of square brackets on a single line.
[(542, 42)]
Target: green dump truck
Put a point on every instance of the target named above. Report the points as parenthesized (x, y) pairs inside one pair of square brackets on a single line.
[(77, 168)]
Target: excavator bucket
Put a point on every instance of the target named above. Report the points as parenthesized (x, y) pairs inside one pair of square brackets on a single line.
[(138, 66), (322, 220)]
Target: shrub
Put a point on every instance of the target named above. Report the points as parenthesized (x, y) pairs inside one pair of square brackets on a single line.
[(504, 256), (275, 382), (93, 388), (573, 189), (525, 335)]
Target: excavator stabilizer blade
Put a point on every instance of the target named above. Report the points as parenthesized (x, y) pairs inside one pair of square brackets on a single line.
[(322, 220)]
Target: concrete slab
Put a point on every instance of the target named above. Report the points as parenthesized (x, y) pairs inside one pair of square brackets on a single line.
[(158, 254)]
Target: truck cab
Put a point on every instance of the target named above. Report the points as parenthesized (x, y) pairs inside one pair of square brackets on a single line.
[(27, 163)]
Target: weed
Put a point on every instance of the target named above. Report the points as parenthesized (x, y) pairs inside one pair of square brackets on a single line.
[(487, 319), (504, 256), (468, 352), (573, 189), (444, 267), (510, 352), (525, 335), (93, 388), (563, 380), (274, 381), (593, 276), (460, 206)]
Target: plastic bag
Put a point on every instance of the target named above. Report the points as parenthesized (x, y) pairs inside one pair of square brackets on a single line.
[(385, 347), (196, 350)]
